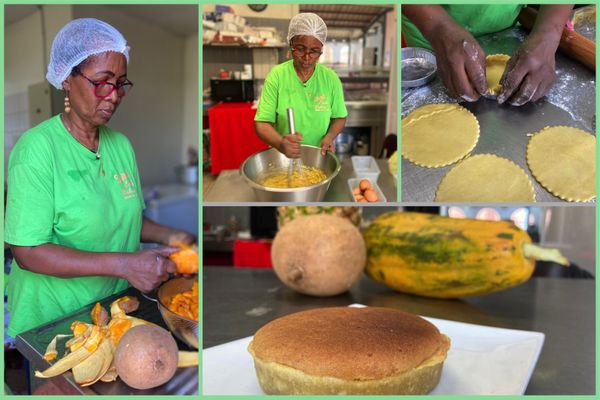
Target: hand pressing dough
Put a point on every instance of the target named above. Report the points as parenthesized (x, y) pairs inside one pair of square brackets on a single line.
[(563, 160), (495, 65), (485, 178), (435, 135)]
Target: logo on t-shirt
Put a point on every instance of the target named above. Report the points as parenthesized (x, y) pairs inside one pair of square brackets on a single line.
[(127, 185), (321, 103)]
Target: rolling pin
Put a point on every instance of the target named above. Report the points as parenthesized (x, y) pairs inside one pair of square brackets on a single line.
[(571, 43)]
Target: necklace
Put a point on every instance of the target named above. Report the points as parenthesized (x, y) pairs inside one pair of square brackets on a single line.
[(305, 76), (93, 148)]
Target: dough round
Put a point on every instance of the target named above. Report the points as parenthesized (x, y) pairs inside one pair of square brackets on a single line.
[(485, 178), (435, 135), (495, 65), (563, 160)]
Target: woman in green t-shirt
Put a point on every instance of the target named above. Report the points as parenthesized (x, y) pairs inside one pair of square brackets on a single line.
[(74, 207), (313, 91), (450, 29)]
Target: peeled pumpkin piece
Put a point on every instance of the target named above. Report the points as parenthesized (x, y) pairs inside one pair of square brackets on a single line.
[(93, 367), (187, 359), (74, 358), (186, 259)]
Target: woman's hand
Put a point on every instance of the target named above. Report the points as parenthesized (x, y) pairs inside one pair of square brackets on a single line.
[(529, 74), (327, 144), (460, 61), (147, 269), (290, 145)]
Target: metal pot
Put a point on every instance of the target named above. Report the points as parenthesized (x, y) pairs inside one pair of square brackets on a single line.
[(185, 329), (259, 163)]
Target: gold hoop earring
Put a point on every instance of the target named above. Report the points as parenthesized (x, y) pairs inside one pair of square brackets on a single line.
[(67, 105)]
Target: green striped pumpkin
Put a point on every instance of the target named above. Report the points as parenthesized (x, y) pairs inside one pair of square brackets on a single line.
[(435, 256)]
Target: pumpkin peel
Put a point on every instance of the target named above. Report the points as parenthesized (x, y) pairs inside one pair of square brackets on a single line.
[(91, 368), (99, 315), (187, 359), (97, 364), (51, 352), (90, 352), (72, 359)]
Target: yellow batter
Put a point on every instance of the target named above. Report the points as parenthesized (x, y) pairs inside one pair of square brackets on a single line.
[(495, 65), (485, 178), (435, 135), (279, 178), (563, 160)]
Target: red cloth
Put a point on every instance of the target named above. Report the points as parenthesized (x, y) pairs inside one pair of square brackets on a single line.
[(232, 135), (252, 254)]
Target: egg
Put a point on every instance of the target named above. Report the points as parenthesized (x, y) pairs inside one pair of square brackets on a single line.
[(356, 191), (364, 184), (358, 197), (371, 195), (363, 200)]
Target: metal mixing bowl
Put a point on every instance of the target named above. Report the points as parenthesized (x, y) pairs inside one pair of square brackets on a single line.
[(257, 165), (185, 329)]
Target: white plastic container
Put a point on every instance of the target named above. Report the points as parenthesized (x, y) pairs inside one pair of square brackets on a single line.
[(354, 182), (365, 167)]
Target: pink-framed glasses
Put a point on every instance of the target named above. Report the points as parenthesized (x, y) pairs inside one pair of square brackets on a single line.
[(103, 89)]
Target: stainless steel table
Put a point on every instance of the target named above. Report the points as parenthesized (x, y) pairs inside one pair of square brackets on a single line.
[(230, 186), (504, 128), (32, 344), (563, 309)]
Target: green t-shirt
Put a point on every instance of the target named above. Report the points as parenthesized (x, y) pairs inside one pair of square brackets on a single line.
[(477, 19), (314, 103), (60, 192)]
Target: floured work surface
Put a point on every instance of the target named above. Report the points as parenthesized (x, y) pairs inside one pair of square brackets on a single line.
[(504, 128)]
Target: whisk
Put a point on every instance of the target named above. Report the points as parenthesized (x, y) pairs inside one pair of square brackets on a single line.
[(295, 163)]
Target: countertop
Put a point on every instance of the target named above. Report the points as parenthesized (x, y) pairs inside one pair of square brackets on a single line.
[(231, 187), (504, 128), (237, 302), (32, 344)]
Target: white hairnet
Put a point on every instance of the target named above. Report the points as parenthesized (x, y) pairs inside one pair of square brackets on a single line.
[(308, 24), (78, 40)]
